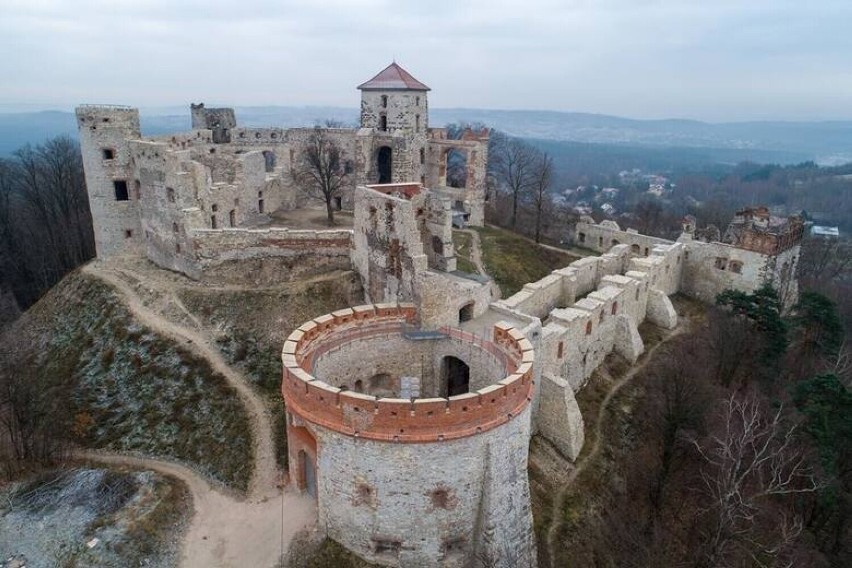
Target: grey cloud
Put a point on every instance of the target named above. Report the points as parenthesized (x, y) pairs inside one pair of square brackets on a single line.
[(713, 60)]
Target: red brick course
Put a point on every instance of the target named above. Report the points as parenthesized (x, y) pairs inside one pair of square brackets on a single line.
[(400, 420)]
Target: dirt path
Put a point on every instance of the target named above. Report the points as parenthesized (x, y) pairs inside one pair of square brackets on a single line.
[(265, 474), (224, 532), (556, 515)]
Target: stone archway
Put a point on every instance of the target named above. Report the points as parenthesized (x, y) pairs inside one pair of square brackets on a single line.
[(456, 375)]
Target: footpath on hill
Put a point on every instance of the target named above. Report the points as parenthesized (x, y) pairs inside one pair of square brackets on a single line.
[(225, 530)]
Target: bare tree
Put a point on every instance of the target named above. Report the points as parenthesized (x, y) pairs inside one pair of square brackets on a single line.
[(45, 223), (542, 176), (34, 414), (752, 459), (825, 259), (322, 170), (514, 163)]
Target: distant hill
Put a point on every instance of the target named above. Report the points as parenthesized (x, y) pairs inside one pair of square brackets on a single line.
[(783, 142)]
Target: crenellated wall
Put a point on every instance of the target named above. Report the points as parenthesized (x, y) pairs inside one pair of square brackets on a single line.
[(702, 270), (420, 481), (588, 310)]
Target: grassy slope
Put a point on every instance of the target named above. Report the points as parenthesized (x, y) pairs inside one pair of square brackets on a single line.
[(132, 390), (461, 243), (513, 260), (254, 324)]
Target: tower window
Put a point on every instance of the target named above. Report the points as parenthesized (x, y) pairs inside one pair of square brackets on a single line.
[(383, 123), (384, 101), (109, 153), (417, 101), (128, 233), (170, 194), (422, 155), (120, 187), (417, 123)]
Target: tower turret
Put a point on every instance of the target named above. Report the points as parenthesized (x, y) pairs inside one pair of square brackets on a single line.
[(394, 101)]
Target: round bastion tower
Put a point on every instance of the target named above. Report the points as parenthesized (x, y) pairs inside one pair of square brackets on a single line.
[(414, 443)]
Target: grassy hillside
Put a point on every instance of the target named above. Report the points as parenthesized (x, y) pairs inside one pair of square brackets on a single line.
[(513, 260), (252, 326), (128, 388)]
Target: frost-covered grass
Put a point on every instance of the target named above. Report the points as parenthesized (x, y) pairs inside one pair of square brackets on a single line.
[(135, 518), (254, 324), (135, 391)]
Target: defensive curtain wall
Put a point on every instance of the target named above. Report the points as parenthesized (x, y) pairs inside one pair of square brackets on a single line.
[(758, 256), (405, 471), (578, 315)]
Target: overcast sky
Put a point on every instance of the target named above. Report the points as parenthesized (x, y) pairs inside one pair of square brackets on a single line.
[(706, 59)]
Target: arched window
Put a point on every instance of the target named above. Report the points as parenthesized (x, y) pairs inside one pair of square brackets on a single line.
[(614, 308), (589, 327), (384, 101), (383, 123)]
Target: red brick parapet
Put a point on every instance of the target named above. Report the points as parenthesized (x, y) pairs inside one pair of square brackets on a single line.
[(401, 420)]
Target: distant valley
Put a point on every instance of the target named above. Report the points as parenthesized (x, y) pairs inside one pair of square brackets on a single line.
[(828, 143)]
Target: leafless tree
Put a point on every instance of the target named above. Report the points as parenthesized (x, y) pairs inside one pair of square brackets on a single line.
[(322, 170), (45, 223), (513, 162), (541, 178), (825, 259), (752, 459), (34, 413)]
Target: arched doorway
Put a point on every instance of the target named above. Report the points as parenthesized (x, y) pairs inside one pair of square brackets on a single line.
[(466, 312), (456, 376), (384, 164)]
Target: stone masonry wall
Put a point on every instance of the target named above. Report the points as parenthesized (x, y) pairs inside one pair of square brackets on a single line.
[(104, 131), (429, 504), (397, 356), (267, 256)]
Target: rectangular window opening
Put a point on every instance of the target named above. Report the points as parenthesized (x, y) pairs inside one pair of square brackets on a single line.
[(120, 187)]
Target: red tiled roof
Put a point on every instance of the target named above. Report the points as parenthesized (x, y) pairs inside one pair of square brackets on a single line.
[(393, 77)]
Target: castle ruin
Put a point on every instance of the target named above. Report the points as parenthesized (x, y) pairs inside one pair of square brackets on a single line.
[(409, 418)]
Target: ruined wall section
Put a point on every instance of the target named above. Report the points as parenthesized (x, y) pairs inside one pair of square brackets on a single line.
[(353, 158), (602, 237), (395, 226), (712, 268), (387, 251), (265, 257), (219, 121), (701, 269), (169, 184), (107, 161), (474, 145)]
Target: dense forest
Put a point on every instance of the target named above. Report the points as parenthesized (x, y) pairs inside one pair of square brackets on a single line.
[(45, 222), (732, 448)]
